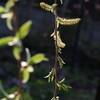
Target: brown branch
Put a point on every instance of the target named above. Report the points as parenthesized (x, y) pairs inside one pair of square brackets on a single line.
[(15, 28)]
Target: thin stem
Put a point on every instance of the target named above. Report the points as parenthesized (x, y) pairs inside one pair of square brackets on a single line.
[(20, 81), (15, 25), (15, 21), (56, 52)]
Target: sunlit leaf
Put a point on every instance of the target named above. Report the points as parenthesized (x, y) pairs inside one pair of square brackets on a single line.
[(6, 40), (63, 86), (50, 76), (10, 4), (2, 9), (26, 75), (62, 80), (61, 62), (24, 30), (9, 22), (16, 52), (37, 59), (30, 69)]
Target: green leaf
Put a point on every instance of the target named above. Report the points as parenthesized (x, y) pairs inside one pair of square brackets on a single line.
[(16, 52), (50, 76), (37, 59), (2, 9), (24, 30), (61, 62), (63, 86), (6, 40), (9, 22), (10, 4), (62, 80), (30, 69), (26, 75)]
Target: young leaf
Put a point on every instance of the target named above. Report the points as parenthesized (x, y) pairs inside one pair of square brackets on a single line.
[(37, 59), (26, 75), (30, 69), (16, 52), (63, 86), (9, 22), (24, 30), (62, 80), (10, 4), (6, 40), (2, 9), (50, 76), (61, 62)]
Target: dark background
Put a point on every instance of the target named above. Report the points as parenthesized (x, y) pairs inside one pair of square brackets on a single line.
[(81, 54)]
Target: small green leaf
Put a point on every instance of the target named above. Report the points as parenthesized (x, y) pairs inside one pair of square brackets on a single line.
[(63, 86), (62, 80), (26, 75), (37, 59), (16, 52), (9, 22), (2, 9), (24, 30), (30, 69), (6, 40), (10, 4), (61, 62), (50, 76)]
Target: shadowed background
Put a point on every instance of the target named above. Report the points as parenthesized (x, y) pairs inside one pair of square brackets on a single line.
[(81, 54)]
